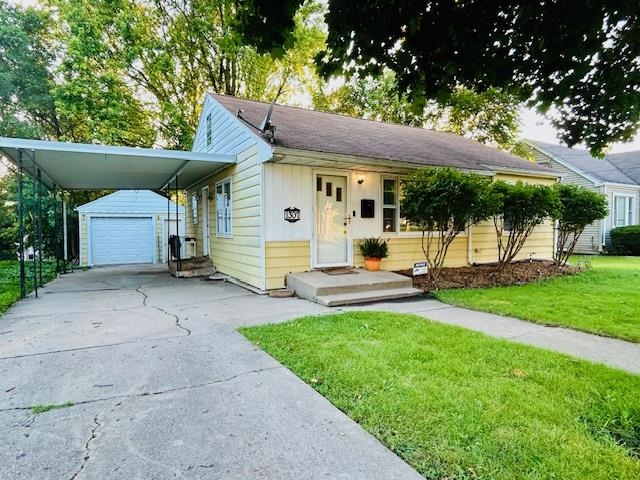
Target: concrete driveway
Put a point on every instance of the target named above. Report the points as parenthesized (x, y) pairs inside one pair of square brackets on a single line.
[(164, 387)]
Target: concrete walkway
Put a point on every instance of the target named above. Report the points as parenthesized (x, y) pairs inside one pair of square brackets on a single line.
[(609, 351), (163, 385)]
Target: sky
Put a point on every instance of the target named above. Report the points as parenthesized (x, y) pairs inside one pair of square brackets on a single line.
[(534, 126)]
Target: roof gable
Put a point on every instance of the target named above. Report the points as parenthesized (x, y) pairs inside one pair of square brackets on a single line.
[(229, 134), (330, 133), (130, 201)]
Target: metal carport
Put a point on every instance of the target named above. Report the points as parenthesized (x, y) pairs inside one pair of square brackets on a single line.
[(62, 166)]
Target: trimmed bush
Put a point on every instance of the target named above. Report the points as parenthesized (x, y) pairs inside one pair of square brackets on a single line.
[(626, 240)]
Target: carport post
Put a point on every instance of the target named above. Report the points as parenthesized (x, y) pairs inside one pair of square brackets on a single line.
[(64, 231), (23, 290), (168, 251), (179, 260), (34, 229), (40, 226)]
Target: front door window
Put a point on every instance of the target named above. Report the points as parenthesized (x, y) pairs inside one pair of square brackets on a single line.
[(331, 220)]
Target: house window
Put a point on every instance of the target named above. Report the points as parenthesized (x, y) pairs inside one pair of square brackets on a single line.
[(194, 207), (208, 129), (622, 210), (389, 204), (223, 208)]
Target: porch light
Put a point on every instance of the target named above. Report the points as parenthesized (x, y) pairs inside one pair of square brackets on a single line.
[(360, 179)]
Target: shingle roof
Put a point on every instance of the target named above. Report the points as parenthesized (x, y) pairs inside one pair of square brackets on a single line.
[(310, 130), (604, 170), (628, 162)]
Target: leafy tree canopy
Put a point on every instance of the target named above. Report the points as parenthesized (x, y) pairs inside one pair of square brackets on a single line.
[(579, 57)]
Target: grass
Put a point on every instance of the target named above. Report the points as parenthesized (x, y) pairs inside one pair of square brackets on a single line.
[(10, 280), (457, 404), (603, 300), (37, 409)]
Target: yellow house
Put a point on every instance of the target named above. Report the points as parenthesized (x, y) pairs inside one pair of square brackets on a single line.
[(306, 186)]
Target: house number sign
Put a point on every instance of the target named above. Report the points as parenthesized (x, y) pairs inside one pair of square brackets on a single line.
[(292, 214)]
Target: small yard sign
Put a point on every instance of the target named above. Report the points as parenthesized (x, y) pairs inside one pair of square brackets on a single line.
[(420, 268), (292, 214)]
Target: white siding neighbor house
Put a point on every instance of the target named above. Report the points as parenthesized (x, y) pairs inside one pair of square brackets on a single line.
[(307, 186), (127, 226), (617, 176)]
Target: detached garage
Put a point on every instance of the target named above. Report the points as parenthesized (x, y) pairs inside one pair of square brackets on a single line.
[(127, 226)]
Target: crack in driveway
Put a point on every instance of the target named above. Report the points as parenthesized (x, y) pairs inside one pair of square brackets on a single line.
[(87, 449), (160, 392), (177, 319)]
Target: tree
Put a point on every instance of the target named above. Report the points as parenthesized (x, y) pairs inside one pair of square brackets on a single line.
[(26, 105), (490, 117), (580, 57), (444, 202), (579, 207), (522, 207), (171, 52)]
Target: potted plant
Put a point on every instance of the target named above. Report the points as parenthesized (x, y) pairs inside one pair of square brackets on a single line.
[(373, 250)]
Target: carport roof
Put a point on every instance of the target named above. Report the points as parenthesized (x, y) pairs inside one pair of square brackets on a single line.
[(78, 166)]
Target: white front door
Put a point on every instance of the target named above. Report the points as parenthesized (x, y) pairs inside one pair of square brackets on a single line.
[(332, 221), (205, 221)]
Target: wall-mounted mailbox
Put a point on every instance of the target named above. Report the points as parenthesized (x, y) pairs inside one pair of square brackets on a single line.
[(367, 208)]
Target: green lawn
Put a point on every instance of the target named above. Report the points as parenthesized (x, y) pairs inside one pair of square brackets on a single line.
[(604, 300), (457, 404), (10, 280)]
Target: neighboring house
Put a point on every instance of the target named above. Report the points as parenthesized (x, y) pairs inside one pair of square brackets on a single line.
[(127, 226), (307, 186), (617, 176)]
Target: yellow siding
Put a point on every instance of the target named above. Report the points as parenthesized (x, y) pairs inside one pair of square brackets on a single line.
[(239, 255), (84, 246), (283, 258), (485, 247), (405, 251), (513, 177)]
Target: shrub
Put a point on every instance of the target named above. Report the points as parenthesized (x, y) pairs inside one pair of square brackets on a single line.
[(444, 202), (579, 207), (626, 240), (523, 207)]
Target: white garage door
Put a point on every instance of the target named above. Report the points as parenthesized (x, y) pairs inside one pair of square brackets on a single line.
[(117, 240)]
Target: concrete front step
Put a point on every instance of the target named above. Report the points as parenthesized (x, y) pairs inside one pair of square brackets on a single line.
[(368, 296), (358, 287), (193, 267)]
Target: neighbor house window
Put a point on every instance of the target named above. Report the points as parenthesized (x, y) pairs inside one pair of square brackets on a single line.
[(622, 210), (223, 208), (194, 207), (208, 129)]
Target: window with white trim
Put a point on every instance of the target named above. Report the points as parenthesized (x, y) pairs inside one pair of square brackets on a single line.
[(223, 208), (622, 210), (194, 207), (389, 204), (208, 129), (393, 218)]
